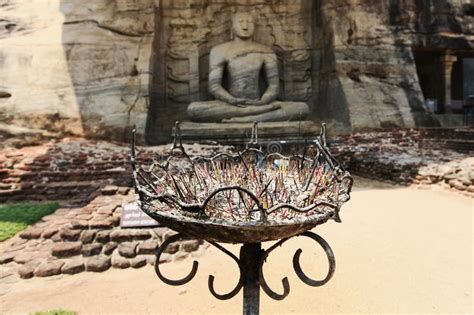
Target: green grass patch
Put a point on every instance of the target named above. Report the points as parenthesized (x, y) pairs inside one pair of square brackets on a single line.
[(55, 312), (17, 216)]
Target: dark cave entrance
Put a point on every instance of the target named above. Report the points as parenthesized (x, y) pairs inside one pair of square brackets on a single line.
[(445, 80), (430, 75)]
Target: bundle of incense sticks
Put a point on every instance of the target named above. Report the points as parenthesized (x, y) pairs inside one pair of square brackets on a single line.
[(300, 182)]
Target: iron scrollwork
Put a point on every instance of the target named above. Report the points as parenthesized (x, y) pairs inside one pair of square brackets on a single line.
[(262, 257)]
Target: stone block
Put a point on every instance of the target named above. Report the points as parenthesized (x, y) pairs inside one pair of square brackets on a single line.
[(69, 235), (73, 266), (31, 233), (172, 248), (91, 249), (115, 220), (109, 190), (464, 179), (49, 269), (120, 262), (121, 235), (103, 237), (148, 247), (85, 217), (138, 262), (27, 271), (66, 249), (123, 190), (189, 246), (109, 248), (151, 259), (101, 224), (140, 235), (128, 249), (454, 183), (98, 263), (87, 236), (79, 225), (230, 133), (56, 238), (49, 232)]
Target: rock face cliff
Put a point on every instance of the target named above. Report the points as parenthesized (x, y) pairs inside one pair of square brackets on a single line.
[(89, 69), (75, 68), (368, 67)]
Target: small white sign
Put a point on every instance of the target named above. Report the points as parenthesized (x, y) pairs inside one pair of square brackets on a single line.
[(133, 216)]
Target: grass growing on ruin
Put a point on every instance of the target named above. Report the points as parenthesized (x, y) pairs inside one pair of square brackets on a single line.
[(17, 216)]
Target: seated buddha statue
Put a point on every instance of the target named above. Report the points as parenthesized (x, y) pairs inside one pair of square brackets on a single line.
[(243, 61)]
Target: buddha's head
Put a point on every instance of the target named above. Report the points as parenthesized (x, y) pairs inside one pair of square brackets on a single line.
[(243, 25)]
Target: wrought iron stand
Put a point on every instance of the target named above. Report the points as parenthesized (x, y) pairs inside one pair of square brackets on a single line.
[(231, 212), (250, 255), (250, 263)]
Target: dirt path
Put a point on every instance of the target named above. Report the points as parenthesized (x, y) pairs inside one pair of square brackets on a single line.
[(398, 250)]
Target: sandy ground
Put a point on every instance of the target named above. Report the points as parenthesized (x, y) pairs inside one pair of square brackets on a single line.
[(398, 250)]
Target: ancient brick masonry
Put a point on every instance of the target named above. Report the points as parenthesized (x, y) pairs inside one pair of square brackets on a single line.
[(415, 156), (88, 238), (71, 169), (76, 169)]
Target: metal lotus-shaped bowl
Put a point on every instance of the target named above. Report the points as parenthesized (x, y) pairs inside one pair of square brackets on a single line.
[(247, 197)]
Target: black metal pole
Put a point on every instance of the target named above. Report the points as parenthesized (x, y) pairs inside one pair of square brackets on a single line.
[(250, 257)]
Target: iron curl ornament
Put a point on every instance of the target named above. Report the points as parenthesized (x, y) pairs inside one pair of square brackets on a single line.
[(247, 197)]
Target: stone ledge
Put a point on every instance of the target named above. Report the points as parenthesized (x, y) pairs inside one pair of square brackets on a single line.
[(239, 133)]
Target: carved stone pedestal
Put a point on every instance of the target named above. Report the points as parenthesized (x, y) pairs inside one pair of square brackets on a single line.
[(239, 133)]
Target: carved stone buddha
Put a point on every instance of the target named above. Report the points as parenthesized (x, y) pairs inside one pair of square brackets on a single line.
[(243, 61)]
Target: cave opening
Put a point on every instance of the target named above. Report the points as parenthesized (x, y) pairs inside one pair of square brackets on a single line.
[(443, 79), (429, 69)]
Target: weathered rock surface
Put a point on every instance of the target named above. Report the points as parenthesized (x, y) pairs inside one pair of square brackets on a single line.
[(50, 254), (148, 247), (87, 236), (48, 233), (172, 248), (98, 263), (73, 266), (49, 269), (69, 235), (109, 248), (67, 249), (103, 236), (120, 262), (91, 249), (121, 235), (27, 271), (89, 65), (89, 70), (23, 258), (31, 233), (138, 262), (128, 249), (6, 258), (109, 190)]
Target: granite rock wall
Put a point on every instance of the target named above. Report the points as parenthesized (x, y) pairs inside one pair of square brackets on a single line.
[(75, 68), (90, 69), (368, 68)]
